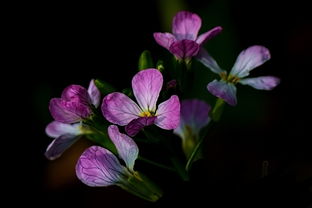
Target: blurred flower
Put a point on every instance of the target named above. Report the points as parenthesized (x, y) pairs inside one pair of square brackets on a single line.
[(64, 136), (247, 60), (194, 116), (75, 103), (120, 109), (98, 167), (184, 43)]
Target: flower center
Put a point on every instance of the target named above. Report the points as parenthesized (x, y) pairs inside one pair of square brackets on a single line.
[(146, 114), (229, 78)]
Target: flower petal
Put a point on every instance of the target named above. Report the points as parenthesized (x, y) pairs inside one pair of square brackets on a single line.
[(136, 125), (126, 147), (146, 86), (168, 113), (185, 25), (184, 49), (249, 59), (261, 83), (119, 109), (94, 94), (59, 145), (76, 92), (208, 35), (68, 111), (223, 90), (56, 129), (194, 113), (164, 39), (98, 167), (204, 57)]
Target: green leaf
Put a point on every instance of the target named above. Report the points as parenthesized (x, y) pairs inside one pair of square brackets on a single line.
[(145, 61), (104, 87)]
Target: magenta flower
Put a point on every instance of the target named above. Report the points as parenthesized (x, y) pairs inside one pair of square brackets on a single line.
[(99, 167), (75, 103), (247, 60), (120, 109), (64, 136), (184, 43), (194, 116)]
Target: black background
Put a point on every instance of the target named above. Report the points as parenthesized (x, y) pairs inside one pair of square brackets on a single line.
[(53, 45)]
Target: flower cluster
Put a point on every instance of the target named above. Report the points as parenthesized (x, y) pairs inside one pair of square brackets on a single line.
[(153, 109)]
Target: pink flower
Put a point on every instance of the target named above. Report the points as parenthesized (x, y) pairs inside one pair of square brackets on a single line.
[(184, 42), (247, 60), (120, 109), (75, 103), (99, 167), (68, 111)]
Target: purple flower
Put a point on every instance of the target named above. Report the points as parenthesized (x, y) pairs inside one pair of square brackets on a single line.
[(120, 109), (75, 103), (64, 136), (247, 60), (194, 116), (99, 167), (184, 42)]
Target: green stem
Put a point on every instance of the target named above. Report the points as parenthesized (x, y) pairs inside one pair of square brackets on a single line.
[(165, 141), (179, 168), (156, 164), (198, 145), (217, 110), (194, 153)]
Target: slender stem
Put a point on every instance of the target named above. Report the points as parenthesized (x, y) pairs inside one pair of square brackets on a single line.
[(218, 110), (178, 166), (199, 145), (194, 153), (156, 164)]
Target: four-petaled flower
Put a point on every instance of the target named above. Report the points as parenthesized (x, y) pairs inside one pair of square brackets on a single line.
[(183, 43), (247, 60), (75, 103), (120, 109), (194, 116)]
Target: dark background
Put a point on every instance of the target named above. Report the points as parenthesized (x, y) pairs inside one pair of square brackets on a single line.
[(53, 45)]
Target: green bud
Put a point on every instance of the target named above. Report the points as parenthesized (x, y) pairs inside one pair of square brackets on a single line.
[(160, 65), (104, 87), (145, 61)]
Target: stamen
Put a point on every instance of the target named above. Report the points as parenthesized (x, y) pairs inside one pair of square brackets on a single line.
[(232, 79), (223, 75), (146, 114)]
